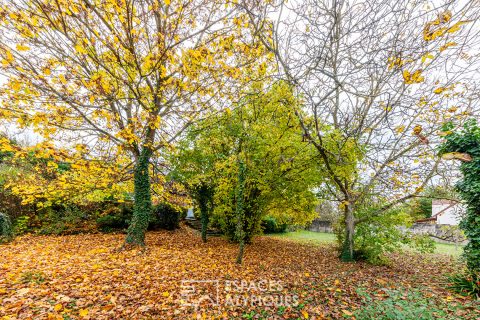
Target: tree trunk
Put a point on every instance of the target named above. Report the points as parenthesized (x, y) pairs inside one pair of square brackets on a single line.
[(142, 201), (241, 247), (204, 217), (347, 250), (204, 195), (240, 233)]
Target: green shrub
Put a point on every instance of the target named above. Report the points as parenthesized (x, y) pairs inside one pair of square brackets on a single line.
[(115, 218), (165, 216), (21, 225), (383, 235), (111, 223), (402, 305), (6, 230), (55, 220), (423, 243), (65, 219), (270, 225), (467, 141), (467, 284)]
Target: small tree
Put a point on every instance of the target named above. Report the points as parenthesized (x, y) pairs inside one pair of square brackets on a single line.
[(252, 160)]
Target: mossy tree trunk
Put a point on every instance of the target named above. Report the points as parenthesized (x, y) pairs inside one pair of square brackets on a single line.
[(240, 210), (204, 220), (203, 194), (348, 245), (204, 200), (142, 200)]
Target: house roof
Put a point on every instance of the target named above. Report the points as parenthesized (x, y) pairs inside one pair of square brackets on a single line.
[(443, 201)]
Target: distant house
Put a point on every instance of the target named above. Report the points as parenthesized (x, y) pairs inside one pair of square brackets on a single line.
[(445, 212)]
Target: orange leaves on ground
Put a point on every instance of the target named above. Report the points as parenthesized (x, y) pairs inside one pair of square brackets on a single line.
[(84, 277)]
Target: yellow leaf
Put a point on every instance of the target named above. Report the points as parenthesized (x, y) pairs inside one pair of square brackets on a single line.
[(16, 86), (305, 314), (446, 16), (83, 312), (452, 109), (417, 77), (417, 129), (456, 26), (166, 294), (58, 307), (411, 78), (9, 56), (439, 90), (447, 45), (62, 79), (80, 49), (21, 47), (427, 56), (167, 2)]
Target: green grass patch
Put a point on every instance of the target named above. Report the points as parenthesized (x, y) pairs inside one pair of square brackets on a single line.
[(450, 249), (307, 237), (320, 238)]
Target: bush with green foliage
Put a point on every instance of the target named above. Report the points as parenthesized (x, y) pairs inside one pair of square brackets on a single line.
[(21, 225), (467, 141), (116, 218), (385, 234), (402, 305), (271, 225), (63, 219), (6, 230), (165, 216)]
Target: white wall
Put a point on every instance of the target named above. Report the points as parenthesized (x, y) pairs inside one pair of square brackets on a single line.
[(450, 216)]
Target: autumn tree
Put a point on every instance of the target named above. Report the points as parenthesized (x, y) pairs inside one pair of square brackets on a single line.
[(382, 76), (119, 77)]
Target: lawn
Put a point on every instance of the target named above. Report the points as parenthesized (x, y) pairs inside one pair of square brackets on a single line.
[(305, 236), (85, 277)]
